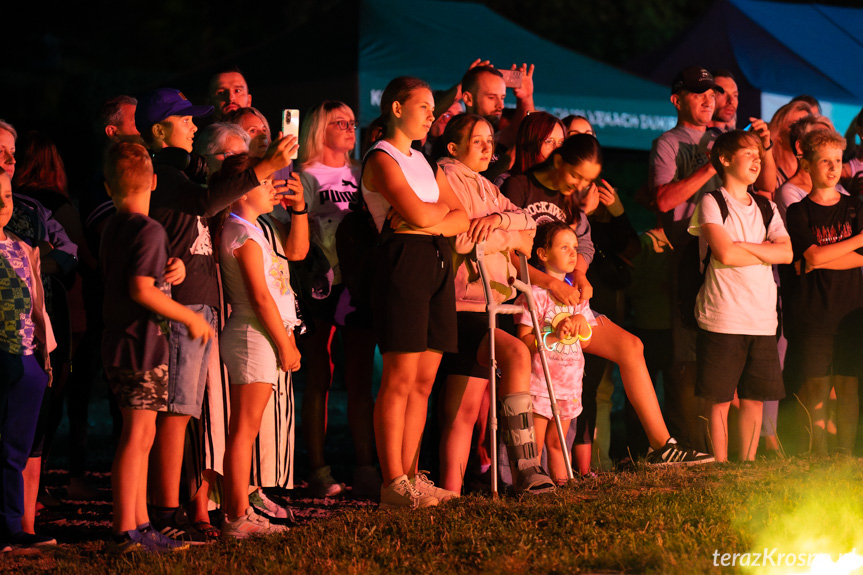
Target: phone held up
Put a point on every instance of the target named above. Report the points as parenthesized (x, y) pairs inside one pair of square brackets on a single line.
[(291, 125), (512, 78)]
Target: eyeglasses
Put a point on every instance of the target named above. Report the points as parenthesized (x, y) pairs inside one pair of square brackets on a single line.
[(222, 155), (552, 142), (344, 125)]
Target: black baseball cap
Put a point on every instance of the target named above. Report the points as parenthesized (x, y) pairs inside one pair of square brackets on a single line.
[(694, 79)]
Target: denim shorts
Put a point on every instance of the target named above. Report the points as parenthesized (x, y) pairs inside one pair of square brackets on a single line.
[(187, 366)]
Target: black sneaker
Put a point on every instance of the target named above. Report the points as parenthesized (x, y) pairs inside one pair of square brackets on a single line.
[(673, 453), (175, 523), (29, 541)]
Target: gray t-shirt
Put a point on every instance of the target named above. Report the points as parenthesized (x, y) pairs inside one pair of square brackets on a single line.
[(675, 156)]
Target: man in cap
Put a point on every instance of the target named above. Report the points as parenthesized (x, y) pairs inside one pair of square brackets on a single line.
[(679, 172)]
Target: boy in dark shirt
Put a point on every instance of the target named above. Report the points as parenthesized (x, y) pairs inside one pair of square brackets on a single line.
[(825, 302), (134, 256), (182, 202)]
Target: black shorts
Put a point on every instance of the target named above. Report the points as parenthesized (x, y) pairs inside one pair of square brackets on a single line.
[(747, 363), (413, 296), (472, 327), (820, 355)]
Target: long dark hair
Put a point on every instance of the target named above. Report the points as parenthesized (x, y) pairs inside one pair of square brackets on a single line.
[(576, 150), (532, 132), (39, 165), (457, 131)]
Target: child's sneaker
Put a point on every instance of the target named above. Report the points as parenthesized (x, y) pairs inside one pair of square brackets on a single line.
[(672, 453), (266, 506), (175, 523), (30, 541), (156, 542), (250, 524), (126, 542), (425, 485), (322, 484), (401, 493)]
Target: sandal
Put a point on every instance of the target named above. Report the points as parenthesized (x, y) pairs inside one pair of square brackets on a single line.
[(207, 529)]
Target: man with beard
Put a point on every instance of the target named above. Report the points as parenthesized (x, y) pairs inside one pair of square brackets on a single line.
[(228, 92), (725, 119), (725, 113), (483, 91)]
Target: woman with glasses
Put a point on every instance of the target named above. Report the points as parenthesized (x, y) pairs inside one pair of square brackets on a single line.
[(538, 136), (330, 179)]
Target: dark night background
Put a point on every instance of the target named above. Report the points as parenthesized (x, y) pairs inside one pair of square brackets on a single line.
[(63, 60)]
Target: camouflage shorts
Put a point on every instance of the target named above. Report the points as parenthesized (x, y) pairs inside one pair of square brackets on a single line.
[(140, 389)]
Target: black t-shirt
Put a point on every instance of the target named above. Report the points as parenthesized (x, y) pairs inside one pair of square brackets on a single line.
[(183, 207), (540, 203), (818, 301), (132, 245)]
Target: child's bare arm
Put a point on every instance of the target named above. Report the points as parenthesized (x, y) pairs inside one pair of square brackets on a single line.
[(819, 255), (846, 262), (723, 248), (776, 252), (525, 334), (250, 258), (175, 271), (143, 291)]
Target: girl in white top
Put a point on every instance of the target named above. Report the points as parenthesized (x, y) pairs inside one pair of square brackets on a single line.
[(331, 184), (421, 207), (258, 338)]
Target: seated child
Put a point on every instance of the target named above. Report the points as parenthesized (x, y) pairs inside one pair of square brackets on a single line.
[(824, 302), (566, 331), (736, 306), (26, 339), (137, 273)]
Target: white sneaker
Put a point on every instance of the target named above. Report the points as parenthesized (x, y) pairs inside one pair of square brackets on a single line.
[(402, 494), (250, 524), (259, 500), (425, 485)]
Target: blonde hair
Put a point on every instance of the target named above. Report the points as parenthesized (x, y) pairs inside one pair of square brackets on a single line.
[(314, 128), (779, 124), (128, 168), (817, 139)]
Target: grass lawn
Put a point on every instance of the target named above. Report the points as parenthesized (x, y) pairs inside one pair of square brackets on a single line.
[(647, 521)]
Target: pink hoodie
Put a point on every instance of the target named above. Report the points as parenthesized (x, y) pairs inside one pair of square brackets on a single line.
[(480, 198)]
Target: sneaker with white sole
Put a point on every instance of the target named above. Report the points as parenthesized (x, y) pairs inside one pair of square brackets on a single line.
[(425, 485), (672, 453), (157, 542), (250, 524), (266, 506), (176, 524), (401, 493)]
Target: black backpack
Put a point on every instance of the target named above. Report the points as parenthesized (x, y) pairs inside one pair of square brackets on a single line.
[(692, 269)]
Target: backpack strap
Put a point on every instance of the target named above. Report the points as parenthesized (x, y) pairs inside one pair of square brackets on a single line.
[(766, 209)]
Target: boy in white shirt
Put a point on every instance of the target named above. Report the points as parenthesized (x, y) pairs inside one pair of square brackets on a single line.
[(736, 306)]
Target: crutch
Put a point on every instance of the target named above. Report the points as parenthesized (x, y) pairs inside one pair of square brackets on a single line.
[(524, 287), (494, 309)]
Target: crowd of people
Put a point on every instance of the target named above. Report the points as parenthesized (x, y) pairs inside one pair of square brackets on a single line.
[(211, 260)]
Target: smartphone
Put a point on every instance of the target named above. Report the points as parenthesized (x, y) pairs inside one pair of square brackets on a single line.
[(512, 78), (291, 125)]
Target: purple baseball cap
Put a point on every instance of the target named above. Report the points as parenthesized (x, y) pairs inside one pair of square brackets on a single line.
[(156, 105)]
